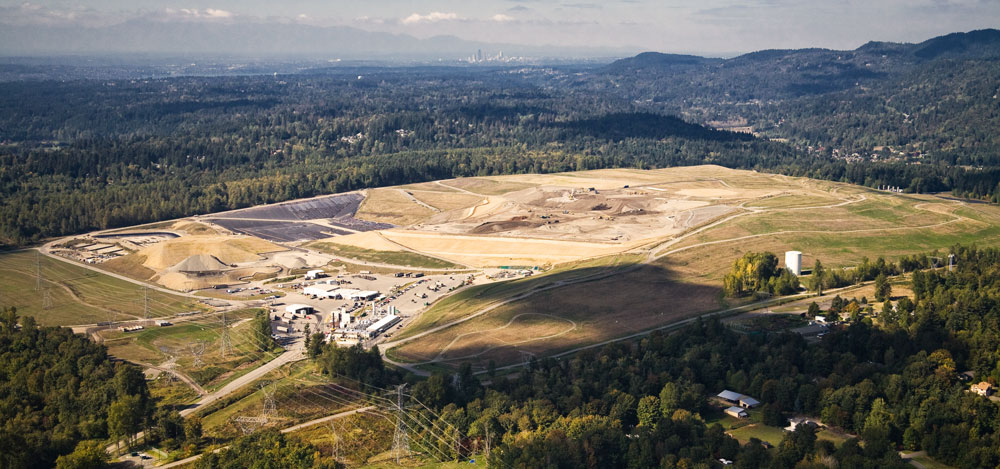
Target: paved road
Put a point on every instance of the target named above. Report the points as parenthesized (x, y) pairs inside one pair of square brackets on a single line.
[(285, 358)]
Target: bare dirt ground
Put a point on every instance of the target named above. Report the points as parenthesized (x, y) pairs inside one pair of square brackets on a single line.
[(838, 223)]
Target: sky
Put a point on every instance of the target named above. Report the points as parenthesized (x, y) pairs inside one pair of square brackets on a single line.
[(709, 27)]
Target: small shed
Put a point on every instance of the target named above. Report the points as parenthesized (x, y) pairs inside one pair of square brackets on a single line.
[(748, 402), (737, 412)]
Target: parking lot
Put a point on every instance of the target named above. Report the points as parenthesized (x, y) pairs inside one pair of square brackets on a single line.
[(409, 295)]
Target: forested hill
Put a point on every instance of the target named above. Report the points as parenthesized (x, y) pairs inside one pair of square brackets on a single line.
[(932, 103), (84, 154), (980, 44), (764, 89)]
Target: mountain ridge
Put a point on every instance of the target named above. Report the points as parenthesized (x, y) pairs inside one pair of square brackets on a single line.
[(983, 43)]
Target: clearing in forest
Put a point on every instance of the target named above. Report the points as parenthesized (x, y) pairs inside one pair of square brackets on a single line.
[(679, 275)]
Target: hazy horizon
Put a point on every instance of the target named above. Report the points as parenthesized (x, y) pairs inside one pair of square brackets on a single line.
[(710, 27)]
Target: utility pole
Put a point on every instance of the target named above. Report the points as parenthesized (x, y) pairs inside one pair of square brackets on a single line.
[(38, 270), (226, 342), (400, 442)]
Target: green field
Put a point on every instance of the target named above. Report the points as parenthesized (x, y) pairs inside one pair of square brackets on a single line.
[(792, 201), (181, 343), (400, 258), (743, 430), (71, 294)]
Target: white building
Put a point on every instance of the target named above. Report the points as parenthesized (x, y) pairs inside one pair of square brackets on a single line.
[(364, 295), (793, 262), (299, 309), (382, 325), (736, 412), (322, 291), (315, 274)]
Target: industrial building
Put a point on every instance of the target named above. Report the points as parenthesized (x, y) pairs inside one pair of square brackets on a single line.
[(793, 262), (299, 309), (315, 274), (382, 325), (335, 292), (321, 291)]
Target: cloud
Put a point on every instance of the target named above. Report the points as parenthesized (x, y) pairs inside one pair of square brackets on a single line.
[(501, 18), (198, 14), (432, 17), (519, 8), (34, 14), (586, 6)]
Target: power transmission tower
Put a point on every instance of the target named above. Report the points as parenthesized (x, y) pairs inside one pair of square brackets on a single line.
[(198, 350), (227, 344), (47, 299), (335, 444), (951, 262), (250, 424), (526, 357), (269, 406), (145, 302), (400, 441)]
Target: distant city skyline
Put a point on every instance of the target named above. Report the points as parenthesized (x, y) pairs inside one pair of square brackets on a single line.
[(709, 27)]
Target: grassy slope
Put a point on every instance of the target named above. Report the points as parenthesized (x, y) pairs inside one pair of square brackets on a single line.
[(400, 258), (155, 345), (474, 298), (882, 225), (77, 295)]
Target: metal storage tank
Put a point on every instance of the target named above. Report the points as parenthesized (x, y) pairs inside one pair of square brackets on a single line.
[(793, 262)]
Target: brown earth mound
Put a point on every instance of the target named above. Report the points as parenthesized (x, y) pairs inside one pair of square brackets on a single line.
[(501, 226), (200, 263)]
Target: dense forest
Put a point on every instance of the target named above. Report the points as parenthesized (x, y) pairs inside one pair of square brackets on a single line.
[(890, 378), (61, 396), (83, 154)]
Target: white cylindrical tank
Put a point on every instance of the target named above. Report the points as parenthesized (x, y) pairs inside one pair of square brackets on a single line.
[(793, 262)]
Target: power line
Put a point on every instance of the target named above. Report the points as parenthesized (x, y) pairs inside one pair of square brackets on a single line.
[(226, 342), (38, 270)]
